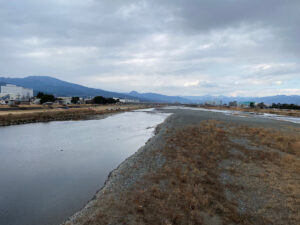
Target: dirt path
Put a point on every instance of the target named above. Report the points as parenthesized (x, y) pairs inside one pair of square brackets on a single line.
[(205, 168)]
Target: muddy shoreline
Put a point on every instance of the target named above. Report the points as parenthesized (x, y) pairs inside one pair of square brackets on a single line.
[(132, 176)]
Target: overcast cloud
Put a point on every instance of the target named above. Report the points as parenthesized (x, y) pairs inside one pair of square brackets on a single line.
[(174, 47)]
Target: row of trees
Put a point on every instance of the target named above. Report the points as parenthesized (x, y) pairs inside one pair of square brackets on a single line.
[(276, 106), (75, 100), (262, 105), (285, 106), (102, 100)]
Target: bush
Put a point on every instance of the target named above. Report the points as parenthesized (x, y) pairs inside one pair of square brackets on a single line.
[(45, 97), (103, 100), (285, 106), (75, 100)]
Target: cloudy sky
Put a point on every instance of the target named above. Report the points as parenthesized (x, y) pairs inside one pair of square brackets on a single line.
[(174, 47)]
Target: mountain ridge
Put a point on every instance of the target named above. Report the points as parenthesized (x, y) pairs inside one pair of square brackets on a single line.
[(58, 87), (154, 97), (288, 99), (62, 88)]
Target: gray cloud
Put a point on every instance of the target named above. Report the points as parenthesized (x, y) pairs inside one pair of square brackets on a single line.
[(178, 47)]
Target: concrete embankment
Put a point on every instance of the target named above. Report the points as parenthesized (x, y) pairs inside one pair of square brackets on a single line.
[(205, 168)]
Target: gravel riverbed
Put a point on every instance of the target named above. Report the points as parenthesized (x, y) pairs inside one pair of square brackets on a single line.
[(236, 156)]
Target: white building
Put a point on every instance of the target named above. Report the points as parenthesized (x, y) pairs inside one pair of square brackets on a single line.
[(65, 100), (16, 92), (36, 101), (126, 100)]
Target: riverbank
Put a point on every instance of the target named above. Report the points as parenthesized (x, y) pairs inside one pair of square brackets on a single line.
[(282, 112), (205, 168), (15, 117)]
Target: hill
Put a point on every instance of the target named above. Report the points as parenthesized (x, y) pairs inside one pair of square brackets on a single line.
[(58, 87), (153, 97), (288, 99)]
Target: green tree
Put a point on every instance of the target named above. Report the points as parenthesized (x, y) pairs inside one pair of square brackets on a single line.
[(40, 95), (47, 98), (99, 100), (111, 101), (102, 100), (262, 105), (75, 100)]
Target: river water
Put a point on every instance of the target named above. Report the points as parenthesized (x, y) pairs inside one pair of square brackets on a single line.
[(48, 171), (243, 114)]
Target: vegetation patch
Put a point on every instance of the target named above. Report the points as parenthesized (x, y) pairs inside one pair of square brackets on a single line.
[(214, 173), (56, 114)]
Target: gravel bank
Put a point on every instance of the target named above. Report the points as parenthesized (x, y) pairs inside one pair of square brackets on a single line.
[(145, 160), (150, 159)]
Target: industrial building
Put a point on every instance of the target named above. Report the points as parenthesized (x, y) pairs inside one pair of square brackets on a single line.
[(14, 92)]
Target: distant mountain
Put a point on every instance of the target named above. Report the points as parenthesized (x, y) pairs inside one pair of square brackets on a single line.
[(58, 87), (288, 99), (158, 98), (291, 99)]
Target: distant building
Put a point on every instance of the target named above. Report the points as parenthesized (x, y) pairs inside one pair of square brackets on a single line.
[(125, 100), (246, 104), (16, 92), (64, 100), (213, 103), (48, 103), (88, 101), (233, 104), (36, 101), (261, 105)]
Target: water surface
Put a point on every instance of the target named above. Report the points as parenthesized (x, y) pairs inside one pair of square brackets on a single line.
[(243, 114), (48, 171)]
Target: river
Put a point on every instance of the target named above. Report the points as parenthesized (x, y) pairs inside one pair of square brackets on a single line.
[(290, 119), (48, 171)]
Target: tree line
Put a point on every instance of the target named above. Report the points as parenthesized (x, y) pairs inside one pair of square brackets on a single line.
[(103, 100), (96, 100), (285, 106)]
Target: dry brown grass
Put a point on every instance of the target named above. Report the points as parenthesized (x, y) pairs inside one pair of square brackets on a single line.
[(31, 116), (288, 142), (187, 189), (278, 158), (11, 119)]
